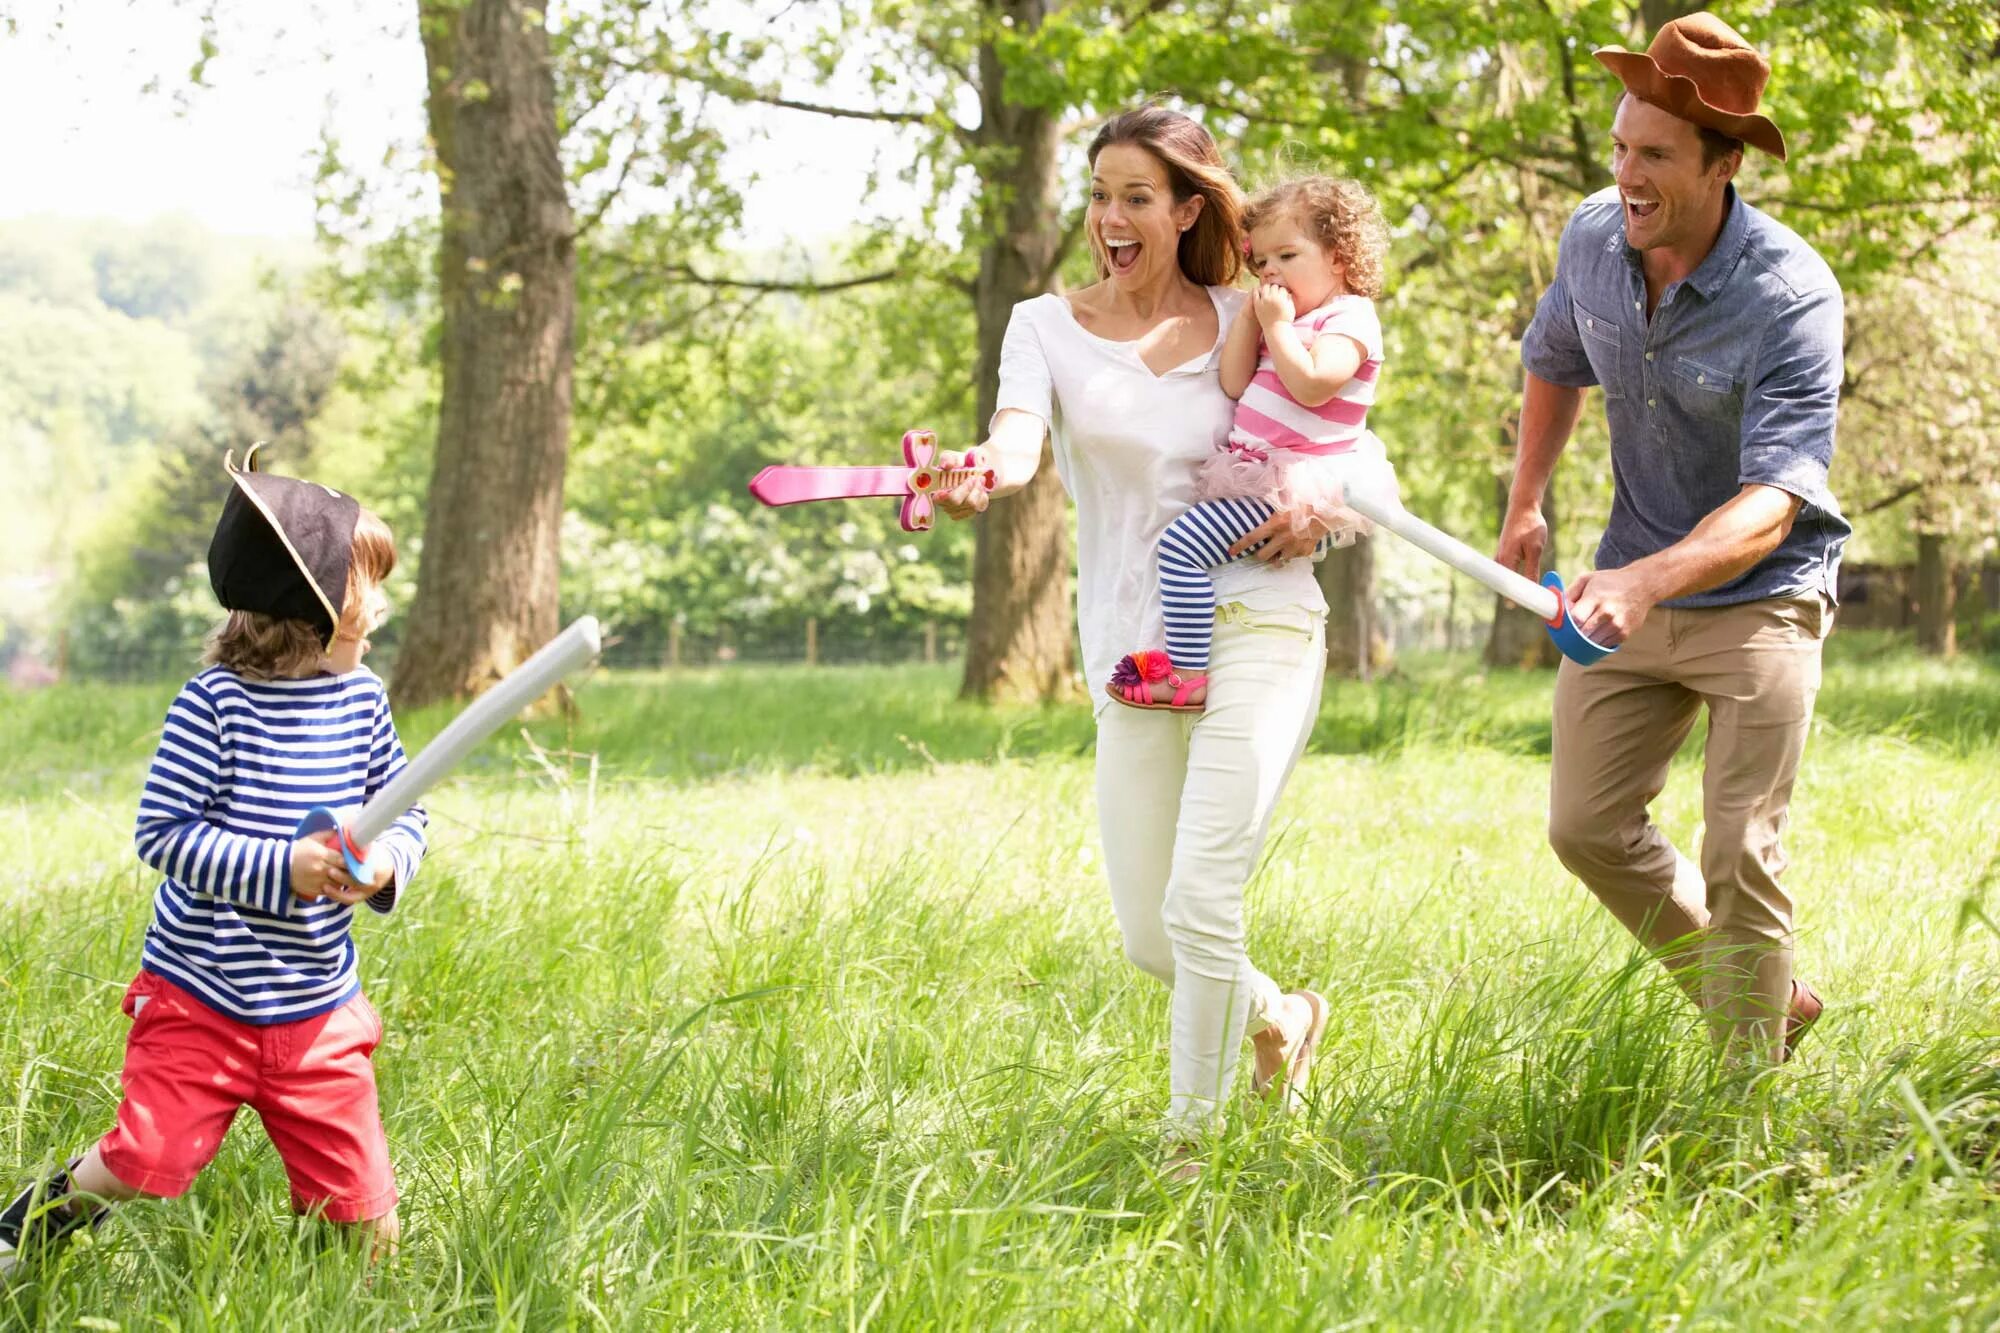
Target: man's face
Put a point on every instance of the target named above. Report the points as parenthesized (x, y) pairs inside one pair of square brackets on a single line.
[(1670, 198)]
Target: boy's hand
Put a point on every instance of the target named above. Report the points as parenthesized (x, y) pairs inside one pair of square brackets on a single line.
[(358, 893), (1273, 305), (319, 871)]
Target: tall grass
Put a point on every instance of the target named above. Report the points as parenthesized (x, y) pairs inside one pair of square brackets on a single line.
[(767, 999)]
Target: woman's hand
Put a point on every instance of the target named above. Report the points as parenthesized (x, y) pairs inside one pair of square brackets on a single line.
[(1277, 539), (966, 500), (1013, 451)]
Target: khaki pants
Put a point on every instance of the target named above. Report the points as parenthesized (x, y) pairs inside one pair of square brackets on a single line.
[(1725, 929)]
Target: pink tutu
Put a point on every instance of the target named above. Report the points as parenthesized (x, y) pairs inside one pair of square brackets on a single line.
[(1307, 486)]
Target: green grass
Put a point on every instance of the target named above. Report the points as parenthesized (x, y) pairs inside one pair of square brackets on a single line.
[(766, 999)]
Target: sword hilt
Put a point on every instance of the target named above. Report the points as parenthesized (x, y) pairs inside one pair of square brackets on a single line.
[(932, 472)]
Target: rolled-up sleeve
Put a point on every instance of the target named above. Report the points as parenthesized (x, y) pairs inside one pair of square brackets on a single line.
[(1551, 349), (1025, 382), (1792, 403)]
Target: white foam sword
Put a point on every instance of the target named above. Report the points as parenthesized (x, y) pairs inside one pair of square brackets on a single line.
[(535, 677)]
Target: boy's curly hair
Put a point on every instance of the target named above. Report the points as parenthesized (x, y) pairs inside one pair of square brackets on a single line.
[(260, 647), (1340, 214)]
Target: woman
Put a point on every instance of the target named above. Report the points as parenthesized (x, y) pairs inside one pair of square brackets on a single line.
[(1123, 378)]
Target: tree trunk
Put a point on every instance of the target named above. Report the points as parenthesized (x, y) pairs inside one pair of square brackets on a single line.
[(1518, 638), (1355, 646), (1020, 639), (487, 583), (1989, 601), (1936, 634)]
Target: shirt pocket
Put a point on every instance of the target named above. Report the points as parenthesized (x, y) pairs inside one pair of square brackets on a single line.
[(1602, 342), (1704, 389)]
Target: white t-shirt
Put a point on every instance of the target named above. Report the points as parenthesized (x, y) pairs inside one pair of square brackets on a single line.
[(1126, 445)]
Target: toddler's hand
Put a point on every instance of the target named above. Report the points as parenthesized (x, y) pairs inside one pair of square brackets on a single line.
[(1273, 305), (318, 870)]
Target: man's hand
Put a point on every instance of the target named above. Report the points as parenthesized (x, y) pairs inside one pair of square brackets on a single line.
[(1609, 605), (1523, 537), (1280, 541)]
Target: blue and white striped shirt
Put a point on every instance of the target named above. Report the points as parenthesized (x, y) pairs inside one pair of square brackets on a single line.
[(240, 763)]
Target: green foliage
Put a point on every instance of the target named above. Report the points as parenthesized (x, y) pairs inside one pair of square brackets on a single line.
[(108, 337), (661, 528), (140, 597), (1478, 127)]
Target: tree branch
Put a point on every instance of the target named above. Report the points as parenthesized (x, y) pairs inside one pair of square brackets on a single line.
[(589, 224), (1588, 168), (1878, 205), (839, 112), (1897, 498), (1061, 252), (804, 286), (742, 90)]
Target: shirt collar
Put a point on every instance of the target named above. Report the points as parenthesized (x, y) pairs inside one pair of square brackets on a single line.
[(1710, 275), (1713, 272)]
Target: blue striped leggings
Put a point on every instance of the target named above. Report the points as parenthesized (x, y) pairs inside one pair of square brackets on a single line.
[(1194, 544)]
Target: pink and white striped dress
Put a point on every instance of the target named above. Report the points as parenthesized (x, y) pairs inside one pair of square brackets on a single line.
[(1296, 458)]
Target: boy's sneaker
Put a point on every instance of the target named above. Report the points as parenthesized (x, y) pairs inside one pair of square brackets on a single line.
[(39, 1219)]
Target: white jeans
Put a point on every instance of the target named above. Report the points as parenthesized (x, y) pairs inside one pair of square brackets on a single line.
[(1184, 801)]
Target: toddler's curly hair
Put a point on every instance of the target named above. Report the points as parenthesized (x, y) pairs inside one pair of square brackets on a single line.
[(1337, 212)]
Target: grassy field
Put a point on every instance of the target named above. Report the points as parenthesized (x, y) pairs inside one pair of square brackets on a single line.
[(691, 1024)]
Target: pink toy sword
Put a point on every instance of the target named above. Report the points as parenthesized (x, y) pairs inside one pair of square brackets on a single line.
[(925, 472)]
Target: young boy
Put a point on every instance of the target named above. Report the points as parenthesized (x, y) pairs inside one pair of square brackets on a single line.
[(247, 992)]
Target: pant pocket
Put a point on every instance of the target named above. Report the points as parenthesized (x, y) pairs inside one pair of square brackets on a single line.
[(1292, 622), (139, 995), (371, 1022), (1280, 637)]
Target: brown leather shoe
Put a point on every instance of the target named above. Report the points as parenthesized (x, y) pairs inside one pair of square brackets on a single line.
[(1804, 1012)]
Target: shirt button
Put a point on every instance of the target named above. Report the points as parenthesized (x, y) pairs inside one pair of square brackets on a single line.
[(1649, 402), (1701, 379), (1590, 323), (1649, 356)]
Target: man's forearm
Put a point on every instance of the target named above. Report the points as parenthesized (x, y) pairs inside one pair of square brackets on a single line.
[(1723, 546), (1548, 417)]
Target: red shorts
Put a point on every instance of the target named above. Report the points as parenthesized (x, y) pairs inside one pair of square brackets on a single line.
[(188, 1068)]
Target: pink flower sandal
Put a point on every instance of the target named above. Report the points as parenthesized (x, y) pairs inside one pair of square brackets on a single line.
[(1132, 682)]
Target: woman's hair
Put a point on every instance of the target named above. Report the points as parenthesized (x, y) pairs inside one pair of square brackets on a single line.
[(263, 647), (1211, 251), (1340, 214)]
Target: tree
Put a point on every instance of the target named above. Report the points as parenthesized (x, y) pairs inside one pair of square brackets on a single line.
[(1018, 642), (1920, 416), (995, 55), (1481, 127), (1355, 646), (140, 597), (487, 591)]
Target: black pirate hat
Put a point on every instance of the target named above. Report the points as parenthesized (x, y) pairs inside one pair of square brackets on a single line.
[(282, 547)]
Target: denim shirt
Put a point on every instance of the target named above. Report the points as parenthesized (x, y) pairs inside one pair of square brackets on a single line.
[(1735, 379)]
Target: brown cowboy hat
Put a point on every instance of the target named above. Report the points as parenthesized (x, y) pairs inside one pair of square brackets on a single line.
[(1700, 69)]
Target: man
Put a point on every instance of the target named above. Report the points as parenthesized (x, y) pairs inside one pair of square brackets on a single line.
[(1715, 334)]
